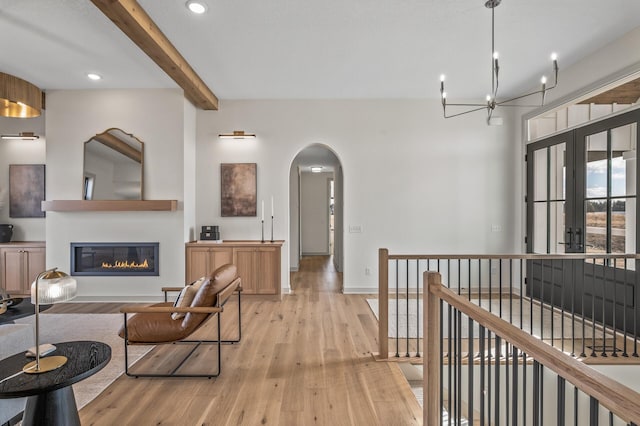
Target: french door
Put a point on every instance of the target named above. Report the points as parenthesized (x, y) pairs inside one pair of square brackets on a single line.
[(581, 198)]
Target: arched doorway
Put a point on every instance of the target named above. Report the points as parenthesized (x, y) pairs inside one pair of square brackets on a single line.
[(316, 205)]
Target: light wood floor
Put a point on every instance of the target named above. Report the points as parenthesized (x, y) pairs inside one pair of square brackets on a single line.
[(305, 360)]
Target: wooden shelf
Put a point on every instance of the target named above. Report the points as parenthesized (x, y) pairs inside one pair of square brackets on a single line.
[(109, 205)]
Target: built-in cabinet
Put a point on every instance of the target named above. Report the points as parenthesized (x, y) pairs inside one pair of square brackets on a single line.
[(258, 263), (20, 264)]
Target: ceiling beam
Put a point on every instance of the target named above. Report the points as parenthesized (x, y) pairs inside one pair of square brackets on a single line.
[(132, 20)]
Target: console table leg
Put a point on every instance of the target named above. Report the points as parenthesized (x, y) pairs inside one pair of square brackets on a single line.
[(52, 408)]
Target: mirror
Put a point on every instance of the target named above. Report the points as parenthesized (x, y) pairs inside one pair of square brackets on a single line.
[(113, 166)]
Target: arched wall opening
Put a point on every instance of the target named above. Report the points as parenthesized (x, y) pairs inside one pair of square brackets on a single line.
[(316, 205)]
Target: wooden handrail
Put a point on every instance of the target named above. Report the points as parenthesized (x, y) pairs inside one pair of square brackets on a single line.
[(621, 400)]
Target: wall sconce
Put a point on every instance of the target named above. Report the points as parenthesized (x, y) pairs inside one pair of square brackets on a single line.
[(237, 134), (23, 136), (19, 98)]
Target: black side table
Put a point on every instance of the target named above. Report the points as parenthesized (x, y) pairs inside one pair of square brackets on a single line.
[(50, 395)]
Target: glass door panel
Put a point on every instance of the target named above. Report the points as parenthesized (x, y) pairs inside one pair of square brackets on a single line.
[(548, 185)]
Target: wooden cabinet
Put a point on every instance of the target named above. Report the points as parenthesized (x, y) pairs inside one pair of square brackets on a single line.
[(258, 263), (203, 259), (20, 264)]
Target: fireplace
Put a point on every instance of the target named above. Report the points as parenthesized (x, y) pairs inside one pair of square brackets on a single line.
[(114, 259)]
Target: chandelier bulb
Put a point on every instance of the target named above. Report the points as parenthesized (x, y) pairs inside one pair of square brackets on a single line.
[(442, 77), (444, 95), (554, 56), (495, 55), (543, 80), (488, 98)]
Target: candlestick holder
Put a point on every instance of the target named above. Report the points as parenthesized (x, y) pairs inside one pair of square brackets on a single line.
[(271, 228), (262, 221)]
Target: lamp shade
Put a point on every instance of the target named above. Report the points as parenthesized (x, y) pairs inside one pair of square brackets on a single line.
[(54, 287), (19, 98)]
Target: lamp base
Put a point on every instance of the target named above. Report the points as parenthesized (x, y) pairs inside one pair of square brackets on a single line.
[(46, 364)]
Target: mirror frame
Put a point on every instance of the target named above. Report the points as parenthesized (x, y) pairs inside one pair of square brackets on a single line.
[(108, 140)]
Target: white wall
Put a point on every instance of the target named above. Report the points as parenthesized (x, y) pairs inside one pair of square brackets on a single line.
[(415, 182), (21, 152), (314, 213), (157, 118)]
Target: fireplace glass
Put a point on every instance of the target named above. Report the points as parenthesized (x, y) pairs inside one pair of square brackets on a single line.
[(118, 259)]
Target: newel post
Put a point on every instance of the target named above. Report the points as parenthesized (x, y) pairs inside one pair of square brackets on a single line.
[(383, 303), (431, 364)]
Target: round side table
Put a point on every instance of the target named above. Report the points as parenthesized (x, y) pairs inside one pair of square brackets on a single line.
[(50, 395)]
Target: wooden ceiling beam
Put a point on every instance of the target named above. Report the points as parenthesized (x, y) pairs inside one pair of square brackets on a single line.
[(132, 20)]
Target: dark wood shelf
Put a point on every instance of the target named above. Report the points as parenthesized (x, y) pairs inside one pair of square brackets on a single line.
[(109, 205)]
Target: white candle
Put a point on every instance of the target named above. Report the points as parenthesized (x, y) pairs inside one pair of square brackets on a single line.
[(263, 210), (272, 206)]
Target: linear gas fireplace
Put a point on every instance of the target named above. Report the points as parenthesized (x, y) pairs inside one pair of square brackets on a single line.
[(116, 259)]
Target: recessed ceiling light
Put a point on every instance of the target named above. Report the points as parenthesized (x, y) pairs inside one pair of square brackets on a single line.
[(316, 169), (196, 7), (94, 76)]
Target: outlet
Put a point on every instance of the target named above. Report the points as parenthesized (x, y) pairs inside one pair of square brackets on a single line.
[(355, 229), (496, 228), (367, 271)]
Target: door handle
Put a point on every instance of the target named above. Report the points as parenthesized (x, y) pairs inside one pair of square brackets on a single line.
[(570, 238)]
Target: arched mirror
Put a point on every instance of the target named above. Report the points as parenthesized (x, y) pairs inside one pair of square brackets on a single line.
[(113, 166)]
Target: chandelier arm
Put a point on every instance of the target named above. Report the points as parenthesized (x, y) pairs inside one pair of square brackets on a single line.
[(469, 105), (464, 112)]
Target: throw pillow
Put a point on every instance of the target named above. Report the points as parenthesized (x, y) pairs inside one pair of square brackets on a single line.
[(186, 297)]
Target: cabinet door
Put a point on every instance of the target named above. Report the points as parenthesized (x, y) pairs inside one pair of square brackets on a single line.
[(245, 261), (12, 270), (34, 259), (268, 271), (220, 256), (197, 263)]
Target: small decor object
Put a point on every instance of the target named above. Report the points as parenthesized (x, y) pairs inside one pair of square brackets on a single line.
[(238, 195), (26, 190), (210, 233), (51, 286), (6, 232)]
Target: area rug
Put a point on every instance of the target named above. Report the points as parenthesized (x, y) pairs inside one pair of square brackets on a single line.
[(398, 323), (100, 327)]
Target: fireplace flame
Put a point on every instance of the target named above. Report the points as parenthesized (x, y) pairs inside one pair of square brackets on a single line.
[(125, 264)]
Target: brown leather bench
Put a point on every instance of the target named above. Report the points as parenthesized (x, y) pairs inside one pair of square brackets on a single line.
[(155, 324)]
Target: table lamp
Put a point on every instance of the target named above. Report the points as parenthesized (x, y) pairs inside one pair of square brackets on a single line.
[(51, 286)]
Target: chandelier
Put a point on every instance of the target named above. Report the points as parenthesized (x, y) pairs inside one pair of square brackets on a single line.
[(492, 99)]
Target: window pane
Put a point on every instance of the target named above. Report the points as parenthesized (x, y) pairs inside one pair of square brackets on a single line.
[(623, 161), (557, 172), (556, 228), (597, 165), (596, 226), (540, 175), (540, 227)]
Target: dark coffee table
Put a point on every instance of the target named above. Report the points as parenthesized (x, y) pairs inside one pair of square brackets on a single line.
[(21, 310), (50, 395)]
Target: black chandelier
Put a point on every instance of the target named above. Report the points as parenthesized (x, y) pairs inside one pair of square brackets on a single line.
[(492, 99)]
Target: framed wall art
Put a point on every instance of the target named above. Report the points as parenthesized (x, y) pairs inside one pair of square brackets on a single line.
[(26, 190), (238, 195)]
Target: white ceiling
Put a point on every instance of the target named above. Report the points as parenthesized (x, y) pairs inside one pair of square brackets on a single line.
[(287, 49)]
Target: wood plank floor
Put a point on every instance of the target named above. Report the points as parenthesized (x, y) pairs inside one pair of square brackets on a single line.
[(305, 360)]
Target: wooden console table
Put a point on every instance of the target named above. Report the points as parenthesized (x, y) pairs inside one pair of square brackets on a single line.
[(258, 263)]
